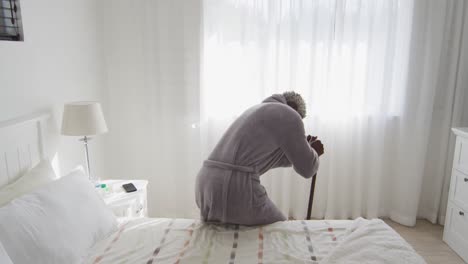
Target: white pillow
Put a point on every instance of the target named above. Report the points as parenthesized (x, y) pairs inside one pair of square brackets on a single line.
[(57, 223), (4, 258), (34, 178)]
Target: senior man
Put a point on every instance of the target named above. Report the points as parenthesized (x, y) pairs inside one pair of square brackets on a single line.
[(266, 136)]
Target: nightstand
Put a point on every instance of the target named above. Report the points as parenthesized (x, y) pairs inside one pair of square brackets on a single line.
[(456, 221), (123, 204)]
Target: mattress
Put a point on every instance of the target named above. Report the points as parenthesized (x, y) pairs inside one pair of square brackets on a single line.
[(161, 240)]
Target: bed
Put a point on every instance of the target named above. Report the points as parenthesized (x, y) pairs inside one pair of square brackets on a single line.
[(163, 240)]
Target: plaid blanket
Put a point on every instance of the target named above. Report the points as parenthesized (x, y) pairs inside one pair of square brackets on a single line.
[(161, 240)]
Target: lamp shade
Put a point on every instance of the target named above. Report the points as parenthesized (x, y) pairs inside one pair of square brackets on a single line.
[(83, 119)]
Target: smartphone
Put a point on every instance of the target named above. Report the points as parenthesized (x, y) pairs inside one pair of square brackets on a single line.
[(129, 187)]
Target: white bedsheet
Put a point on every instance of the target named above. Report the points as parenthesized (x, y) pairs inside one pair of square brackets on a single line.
[(189, 241)]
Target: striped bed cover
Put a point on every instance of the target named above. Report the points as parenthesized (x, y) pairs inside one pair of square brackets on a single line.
[(161, 240)]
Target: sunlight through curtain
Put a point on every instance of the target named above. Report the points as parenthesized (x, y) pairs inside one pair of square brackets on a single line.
[(367, 70), (349, 58), (382, 79)]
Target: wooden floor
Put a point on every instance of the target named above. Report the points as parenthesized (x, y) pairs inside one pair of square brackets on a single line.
[(426, 239)]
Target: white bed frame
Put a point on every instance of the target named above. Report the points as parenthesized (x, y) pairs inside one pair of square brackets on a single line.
[(22, 145)]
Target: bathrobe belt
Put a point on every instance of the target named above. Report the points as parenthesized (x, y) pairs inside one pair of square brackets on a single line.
[(229, 166)]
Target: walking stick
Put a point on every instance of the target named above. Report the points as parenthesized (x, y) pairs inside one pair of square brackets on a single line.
[(311, 197)]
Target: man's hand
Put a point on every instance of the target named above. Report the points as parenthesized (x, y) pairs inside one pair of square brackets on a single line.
[(316, 145), (311, 138)]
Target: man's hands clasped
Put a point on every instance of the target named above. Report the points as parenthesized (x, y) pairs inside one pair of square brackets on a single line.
[(315, 144)]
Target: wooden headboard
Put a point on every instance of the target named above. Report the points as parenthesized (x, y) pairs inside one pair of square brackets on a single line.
[(22, 145)]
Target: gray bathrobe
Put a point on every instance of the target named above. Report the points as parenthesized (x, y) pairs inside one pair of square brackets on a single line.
[(266, 136)]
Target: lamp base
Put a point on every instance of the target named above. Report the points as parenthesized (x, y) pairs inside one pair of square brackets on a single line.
[(92, 178)]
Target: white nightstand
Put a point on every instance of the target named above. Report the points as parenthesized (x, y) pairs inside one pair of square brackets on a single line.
[(456, 221), (125, 204)]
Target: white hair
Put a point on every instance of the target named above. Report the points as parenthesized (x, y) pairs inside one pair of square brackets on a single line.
[(295, 101)]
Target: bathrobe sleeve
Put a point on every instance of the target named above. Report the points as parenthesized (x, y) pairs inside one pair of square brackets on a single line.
[(292, 140), (283, 162)]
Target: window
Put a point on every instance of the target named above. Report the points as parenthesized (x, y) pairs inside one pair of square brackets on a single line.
[(11, 27), (348, 58)]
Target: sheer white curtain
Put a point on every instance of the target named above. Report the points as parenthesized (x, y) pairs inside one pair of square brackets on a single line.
[(372, 72), (152, 58)]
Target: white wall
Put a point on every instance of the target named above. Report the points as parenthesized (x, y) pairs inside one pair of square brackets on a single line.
[(59, 61)]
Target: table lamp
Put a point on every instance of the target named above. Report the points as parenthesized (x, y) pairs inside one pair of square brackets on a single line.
[(83, 119)]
